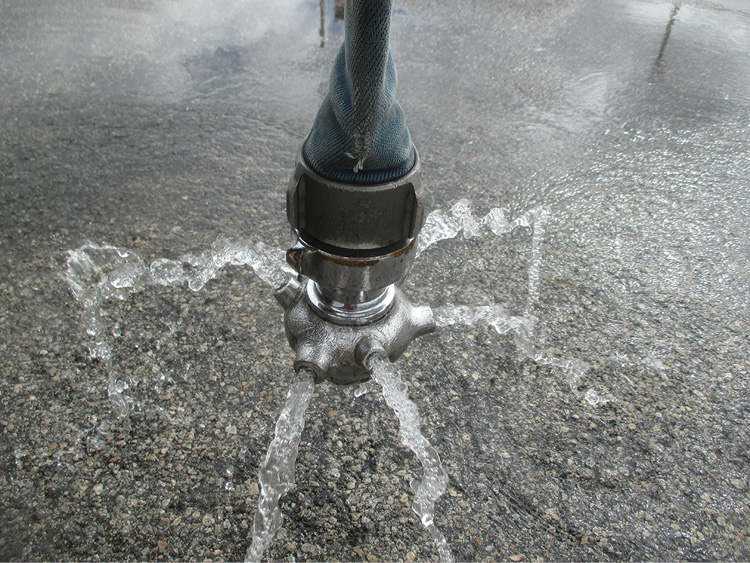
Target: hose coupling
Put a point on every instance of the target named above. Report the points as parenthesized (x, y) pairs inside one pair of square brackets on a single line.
[(353, 241)]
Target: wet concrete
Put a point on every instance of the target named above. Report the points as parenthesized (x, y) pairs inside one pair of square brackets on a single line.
[(159, 127)]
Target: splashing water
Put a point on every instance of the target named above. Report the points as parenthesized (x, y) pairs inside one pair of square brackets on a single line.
[(435, 481), (523, 327), (276, 475), (524, 337), (440, 225), (98, 273)]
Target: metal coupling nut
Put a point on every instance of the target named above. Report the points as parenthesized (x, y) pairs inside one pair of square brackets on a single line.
[(350, 218)]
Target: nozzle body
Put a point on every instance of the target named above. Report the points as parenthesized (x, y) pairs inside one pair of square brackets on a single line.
[(341, 353)]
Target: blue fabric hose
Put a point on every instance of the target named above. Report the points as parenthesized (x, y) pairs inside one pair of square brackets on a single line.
[(360, 135)]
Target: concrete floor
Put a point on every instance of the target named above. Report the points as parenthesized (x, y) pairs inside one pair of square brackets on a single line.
[(161, 129)]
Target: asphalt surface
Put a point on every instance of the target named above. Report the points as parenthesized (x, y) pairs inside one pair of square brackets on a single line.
[(133, 132)]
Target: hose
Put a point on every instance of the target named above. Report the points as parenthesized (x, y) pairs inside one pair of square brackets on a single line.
[(359, 135)]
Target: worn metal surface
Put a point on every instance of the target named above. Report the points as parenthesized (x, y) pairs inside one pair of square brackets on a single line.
[(338, 352)]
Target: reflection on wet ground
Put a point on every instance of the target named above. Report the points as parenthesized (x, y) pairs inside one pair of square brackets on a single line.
[(161, 127)]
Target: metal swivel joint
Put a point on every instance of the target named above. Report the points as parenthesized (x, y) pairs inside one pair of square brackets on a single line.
[(351, 245)]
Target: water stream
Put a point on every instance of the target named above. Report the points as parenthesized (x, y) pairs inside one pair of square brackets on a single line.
[(460, 219), (157, 121), (276, 475), (99, 273), (435, 481)]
